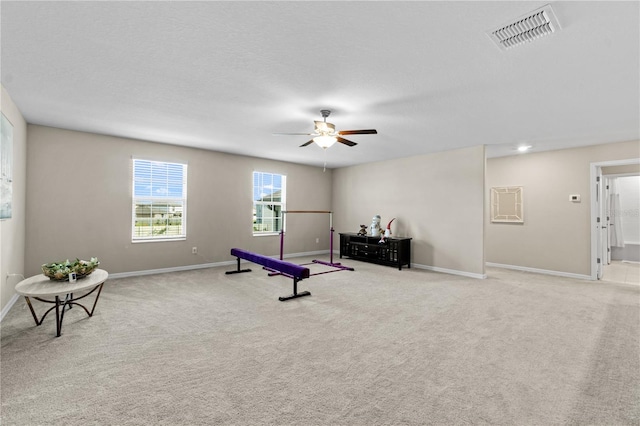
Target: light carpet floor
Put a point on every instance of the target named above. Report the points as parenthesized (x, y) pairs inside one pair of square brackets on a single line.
[(375, 346)]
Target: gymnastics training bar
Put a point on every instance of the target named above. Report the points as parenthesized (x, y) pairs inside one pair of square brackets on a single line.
[(339, 266), (287, 269)]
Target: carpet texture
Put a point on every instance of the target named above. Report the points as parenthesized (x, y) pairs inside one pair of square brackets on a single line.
[(374, 346)]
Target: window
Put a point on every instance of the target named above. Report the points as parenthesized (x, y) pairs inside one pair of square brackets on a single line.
[(159, 201), (269, 192)]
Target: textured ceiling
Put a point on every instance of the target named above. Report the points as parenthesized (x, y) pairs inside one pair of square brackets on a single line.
[(226, 75)]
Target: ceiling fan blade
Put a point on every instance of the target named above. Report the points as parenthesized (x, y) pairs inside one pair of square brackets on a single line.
[(307, 143), (358, 132), (306, 134), (345, 141)]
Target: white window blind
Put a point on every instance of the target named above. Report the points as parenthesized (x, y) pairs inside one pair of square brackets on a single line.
[(159, 201)]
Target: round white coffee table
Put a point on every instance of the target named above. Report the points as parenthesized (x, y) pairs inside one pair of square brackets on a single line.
[(40, 286)]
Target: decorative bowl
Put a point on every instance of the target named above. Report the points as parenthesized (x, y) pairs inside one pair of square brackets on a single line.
[(59, 271)]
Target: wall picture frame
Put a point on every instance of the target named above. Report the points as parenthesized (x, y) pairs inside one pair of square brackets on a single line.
[(507, 204)]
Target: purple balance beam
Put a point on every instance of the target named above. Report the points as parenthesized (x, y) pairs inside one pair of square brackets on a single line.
[(296, 272)]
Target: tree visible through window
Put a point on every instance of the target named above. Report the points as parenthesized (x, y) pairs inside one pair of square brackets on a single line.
[(269, 193), (159, 200)]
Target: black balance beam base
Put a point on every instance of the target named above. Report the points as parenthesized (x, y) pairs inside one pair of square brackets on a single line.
[(237, 271), (295, 292)]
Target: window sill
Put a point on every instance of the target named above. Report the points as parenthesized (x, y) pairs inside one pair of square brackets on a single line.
[(266, 234), (159, 240)]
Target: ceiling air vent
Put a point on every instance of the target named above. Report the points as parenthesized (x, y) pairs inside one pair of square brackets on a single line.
[(528, 27)]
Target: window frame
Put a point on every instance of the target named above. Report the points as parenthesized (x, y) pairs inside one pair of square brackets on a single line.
[(167, 200), (255, 203)]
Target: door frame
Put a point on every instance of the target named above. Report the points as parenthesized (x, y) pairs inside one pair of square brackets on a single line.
[(595, 171)]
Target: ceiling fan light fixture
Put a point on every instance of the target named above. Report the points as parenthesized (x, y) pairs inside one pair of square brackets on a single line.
[(325, 135), (324, 142)]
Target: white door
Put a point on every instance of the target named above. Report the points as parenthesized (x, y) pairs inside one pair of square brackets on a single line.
[(599, 224), (606, 220)]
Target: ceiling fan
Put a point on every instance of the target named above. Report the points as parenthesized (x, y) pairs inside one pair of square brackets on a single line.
[(325, 134)]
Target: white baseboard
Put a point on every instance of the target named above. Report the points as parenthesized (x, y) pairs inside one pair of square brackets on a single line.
[(438, 269), (166, 270), (201, 266), (540, 271), (8, 306), (449, 271)]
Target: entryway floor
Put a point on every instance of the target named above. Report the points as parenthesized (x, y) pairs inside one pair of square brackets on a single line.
[(622, 272)]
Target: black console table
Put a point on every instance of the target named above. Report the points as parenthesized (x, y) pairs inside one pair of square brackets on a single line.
[(393, 252)]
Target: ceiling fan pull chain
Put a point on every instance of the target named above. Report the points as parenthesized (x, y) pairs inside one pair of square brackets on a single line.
[(324, 169)]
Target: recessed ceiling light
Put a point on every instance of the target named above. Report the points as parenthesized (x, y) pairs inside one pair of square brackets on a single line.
[(529, 27), (524, 148)]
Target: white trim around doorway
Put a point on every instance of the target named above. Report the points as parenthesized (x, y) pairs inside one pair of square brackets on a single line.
[(593, 169)]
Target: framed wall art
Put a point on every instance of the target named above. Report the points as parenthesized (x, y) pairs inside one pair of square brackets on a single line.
[(507, 204)]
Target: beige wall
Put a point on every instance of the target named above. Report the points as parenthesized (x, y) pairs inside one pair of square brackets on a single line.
[(79, 203), (12, 231), (437, 200), (555, 235)]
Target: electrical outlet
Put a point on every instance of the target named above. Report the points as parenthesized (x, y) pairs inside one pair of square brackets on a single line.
[(194, 250)]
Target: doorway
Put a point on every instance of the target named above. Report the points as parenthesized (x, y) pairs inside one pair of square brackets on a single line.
[(622, 210), (605, 227)]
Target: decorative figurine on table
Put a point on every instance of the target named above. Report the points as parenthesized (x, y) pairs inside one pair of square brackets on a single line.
[(363, 230), (376, 230), (387, 232)]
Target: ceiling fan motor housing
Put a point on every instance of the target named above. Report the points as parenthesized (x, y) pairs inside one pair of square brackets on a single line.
[(323, 127)]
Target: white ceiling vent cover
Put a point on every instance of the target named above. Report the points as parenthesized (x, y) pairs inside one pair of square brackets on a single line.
[(529, 27)]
